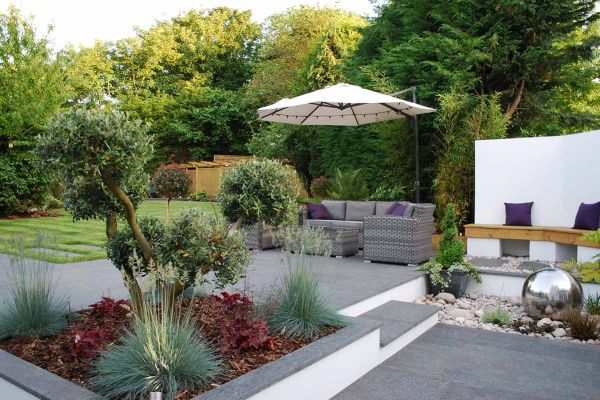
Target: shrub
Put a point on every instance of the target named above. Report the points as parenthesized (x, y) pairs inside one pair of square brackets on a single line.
[(573, 267), (306, 240), (171, 181), (319, 187), (53, 203), (592, 304), (192, 243), (451, 255), (199, 196), (32, 307), (590, 270), (583, 326), (497, 316), (388, 193), (254, 190), (302, 310), (23, 181), (108, 308), (242, 331), (86, 344), (162, 352), (348, 185)]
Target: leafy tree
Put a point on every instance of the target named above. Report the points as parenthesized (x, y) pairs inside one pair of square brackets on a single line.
[(31, 90), (253, 191), (348, 185), (106, 148), (171, 181)]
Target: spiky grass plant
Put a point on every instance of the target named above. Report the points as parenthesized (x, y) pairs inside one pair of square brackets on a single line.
[(162, 352), (301, 309), (33, 306), (592, 304), (497, 316)]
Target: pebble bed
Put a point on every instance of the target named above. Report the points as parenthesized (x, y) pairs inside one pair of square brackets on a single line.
[(468, 311)]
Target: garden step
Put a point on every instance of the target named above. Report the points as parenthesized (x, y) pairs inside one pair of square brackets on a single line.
[(398, 318)]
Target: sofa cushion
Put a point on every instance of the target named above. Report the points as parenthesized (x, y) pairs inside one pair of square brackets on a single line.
[(347, 224), (410, 209), (318, 211), (323, 223), (357, 210), (399, 210), (382, 206), (518, 214), (588, 216), (337, 208)]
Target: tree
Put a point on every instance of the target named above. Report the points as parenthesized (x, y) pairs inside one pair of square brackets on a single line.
[(253, 191), (31, 90), (171, 181), (108, 149)]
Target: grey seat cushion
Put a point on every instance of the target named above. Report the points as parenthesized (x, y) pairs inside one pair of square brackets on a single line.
[(410, 209), (347, 224), (325, 223), (357, 210), (337, 208)]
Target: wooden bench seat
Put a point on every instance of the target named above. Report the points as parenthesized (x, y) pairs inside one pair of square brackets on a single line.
[(542, 233), (546, 243)]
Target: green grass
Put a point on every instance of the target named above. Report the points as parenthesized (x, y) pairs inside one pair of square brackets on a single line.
[(61, 233)]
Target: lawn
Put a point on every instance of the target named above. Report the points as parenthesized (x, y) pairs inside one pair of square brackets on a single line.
[(61, 234)]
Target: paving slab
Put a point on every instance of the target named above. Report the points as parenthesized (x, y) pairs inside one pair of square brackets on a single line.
[(456, 363), (345, 281)]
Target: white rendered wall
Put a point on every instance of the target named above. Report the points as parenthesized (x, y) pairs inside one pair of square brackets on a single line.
[(557, 173)]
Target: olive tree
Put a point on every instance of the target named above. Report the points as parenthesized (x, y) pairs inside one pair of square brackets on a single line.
[(257, 190), (101, 153)]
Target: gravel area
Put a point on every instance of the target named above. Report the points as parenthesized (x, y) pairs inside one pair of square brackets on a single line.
[(469, 310)]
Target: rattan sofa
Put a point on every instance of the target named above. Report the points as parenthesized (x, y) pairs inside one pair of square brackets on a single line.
[(400, 240)]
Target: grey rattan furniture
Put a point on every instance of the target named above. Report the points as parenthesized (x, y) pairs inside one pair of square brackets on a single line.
[(350, 214), (344, 241), (261, 237), (401, 240)]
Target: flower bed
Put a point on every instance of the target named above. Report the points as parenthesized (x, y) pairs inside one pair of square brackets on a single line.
[(71, 353)]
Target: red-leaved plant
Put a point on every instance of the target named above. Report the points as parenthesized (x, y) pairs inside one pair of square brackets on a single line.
[(242, 331), (109, 308), (86, 344)]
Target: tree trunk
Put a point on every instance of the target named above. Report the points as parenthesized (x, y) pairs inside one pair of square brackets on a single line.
[(168, 204), (515, 101), (129, 216), (111, 225), (237, 224), (134, 288)]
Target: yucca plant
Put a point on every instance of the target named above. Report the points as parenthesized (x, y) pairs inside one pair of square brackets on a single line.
[(348, 185), (33, 306), (162, 352)]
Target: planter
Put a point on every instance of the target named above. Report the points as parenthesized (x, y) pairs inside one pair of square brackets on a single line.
[(457, 284)]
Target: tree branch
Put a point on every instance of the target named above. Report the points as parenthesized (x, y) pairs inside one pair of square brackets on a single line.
[(515, 101)]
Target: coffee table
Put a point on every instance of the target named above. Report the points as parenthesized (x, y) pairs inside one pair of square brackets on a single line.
[(344, 241)]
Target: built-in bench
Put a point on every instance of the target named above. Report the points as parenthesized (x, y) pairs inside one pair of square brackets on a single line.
[(544, 243)]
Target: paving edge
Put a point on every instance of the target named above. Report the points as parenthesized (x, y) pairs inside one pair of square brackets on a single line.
[(26, 381)]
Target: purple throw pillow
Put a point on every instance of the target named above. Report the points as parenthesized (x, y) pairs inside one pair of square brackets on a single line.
[(391, 209), (318, 211), (399, 210), (518, 214), (588, 216)]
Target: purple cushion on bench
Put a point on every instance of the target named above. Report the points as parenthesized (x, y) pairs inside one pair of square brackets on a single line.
[(518, 214), (318, 211), (391, 209), (588, 216)]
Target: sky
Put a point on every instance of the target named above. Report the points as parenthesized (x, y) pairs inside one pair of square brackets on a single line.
[(82, 22)]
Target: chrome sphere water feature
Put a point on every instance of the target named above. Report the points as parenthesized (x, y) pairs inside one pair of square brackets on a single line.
[(549, 292)]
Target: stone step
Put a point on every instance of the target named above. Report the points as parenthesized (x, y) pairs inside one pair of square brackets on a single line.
[(398, 318)]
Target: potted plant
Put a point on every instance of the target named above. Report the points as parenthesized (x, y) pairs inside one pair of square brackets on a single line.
[(448, 270)]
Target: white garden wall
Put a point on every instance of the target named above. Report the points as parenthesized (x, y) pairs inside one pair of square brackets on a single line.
[(557, 173)]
